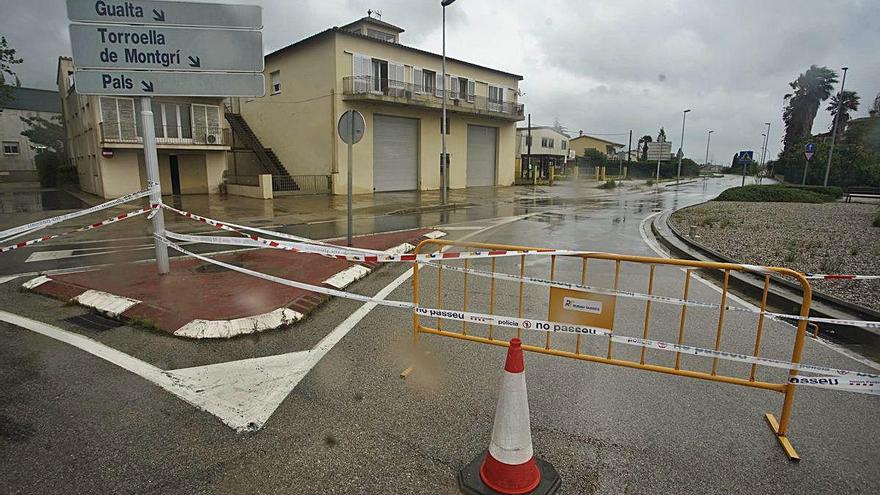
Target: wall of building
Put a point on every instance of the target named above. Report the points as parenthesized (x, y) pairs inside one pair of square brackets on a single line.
[(537, 147), (11, 127), (120, 174), (580, 143), (297, 123), (429, 120)]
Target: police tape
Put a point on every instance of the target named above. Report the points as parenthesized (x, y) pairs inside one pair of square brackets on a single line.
[(858, 385), (829, 276), (9, 234), (869, 383), (534, 324), (306, 245), (108, 221), (284, 281), (649, 297)]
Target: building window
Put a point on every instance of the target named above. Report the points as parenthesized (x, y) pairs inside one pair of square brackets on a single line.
[(11, 148), (563, 144), (380, 35), (275, 81), (546, 142), (429, 80), (496, 98), (448, 125)]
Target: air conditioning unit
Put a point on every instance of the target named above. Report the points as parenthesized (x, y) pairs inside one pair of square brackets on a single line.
[(213, 139)]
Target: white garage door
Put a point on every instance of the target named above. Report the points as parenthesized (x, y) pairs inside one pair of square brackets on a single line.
[(481, 155), (395, 153)]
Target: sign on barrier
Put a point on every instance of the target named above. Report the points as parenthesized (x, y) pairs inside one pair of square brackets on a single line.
[(582, 308)]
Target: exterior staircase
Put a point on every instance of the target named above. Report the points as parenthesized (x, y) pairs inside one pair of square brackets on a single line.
[(281, 178)]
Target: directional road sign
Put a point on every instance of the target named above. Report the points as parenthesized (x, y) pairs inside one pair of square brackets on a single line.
[(149, 83), (165, 13), (809, 150), (110, 46)]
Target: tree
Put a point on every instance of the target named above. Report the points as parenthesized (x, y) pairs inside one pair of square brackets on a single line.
[(7, 60), (661, 137), (643, 144), (48, 135), (849, 102), (875, 109), (595, 158), (810, 89)]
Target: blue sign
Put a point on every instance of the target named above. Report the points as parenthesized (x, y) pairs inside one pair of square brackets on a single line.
[(745, 156), (809, 150)]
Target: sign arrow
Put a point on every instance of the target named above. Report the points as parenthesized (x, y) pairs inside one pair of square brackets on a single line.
[(147, 86), (195, 62), (159, 15)]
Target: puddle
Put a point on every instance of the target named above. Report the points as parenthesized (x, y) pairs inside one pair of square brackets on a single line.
[(28, 201)]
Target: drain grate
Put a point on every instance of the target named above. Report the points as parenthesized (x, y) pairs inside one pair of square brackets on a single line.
[(94, 321)]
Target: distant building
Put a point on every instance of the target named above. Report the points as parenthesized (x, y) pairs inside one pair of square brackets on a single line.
[(584, 142), (17, 158), (104, 140), (550, 150)]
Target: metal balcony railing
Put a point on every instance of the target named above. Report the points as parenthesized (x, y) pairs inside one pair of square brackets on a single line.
[(128, 133), (429, 96), (302, 184)]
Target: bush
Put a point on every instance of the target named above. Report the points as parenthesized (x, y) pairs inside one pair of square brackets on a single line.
[(650, 182), (833, 191), (609, 184), (774, 193), (67, 175)]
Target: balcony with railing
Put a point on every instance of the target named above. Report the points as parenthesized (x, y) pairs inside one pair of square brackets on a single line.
[(386, 90), (166, 136)]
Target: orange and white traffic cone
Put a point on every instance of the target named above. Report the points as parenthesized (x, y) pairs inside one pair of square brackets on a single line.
[(510, 467)]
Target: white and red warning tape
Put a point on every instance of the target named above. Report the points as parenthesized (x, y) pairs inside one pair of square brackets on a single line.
[(9, 234), (108, 221), (852, 381), (828, 276)]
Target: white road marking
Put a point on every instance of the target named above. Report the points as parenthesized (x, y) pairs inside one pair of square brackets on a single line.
[(49, 255), (348, 276), (242, 394), (104, 302), (7, 278), (224, 329), (661, 252)]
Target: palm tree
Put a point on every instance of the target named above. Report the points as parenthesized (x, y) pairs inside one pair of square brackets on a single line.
[(875, 109), (644, 140), (810, 89), (849, 102)]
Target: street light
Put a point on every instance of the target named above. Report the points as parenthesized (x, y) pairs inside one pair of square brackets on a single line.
[(834, 125), (766, 142), (708, 139), (681, 148), (444, 161)]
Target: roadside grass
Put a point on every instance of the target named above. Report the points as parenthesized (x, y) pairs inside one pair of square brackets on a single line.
[(608, 184), (779, 193)]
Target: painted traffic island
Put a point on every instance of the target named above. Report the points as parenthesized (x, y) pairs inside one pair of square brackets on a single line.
[(200, 300)]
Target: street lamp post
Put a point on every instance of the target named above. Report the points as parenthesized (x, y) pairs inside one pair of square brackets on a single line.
[(834, 125), (681, 147), (708, 140), (766, 142), (444, 161)]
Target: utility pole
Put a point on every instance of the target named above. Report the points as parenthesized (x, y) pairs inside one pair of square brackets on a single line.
[(708, 139), (629, 151), (834, 125), (681, 147), (529, 144), (766, 142)]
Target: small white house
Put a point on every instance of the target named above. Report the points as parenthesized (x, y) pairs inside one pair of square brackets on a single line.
[(549, 149)]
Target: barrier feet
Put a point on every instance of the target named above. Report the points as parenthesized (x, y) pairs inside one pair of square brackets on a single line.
[(783, 440)]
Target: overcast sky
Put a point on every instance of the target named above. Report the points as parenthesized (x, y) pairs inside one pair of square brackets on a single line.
[(601, 67)]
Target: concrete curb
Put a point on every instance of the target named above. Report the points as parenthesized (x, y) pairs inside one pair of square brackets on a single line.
[(126, 309)]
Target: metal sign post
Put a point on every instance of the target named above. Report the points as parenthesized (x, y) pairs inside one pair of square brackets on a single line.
[(145, 48), (351, 127), (745, 157), (151, 160), (809, 151)]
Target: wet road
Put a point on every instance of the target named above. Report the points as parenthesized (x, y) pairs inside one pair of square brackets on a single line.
[(353, 426), (617, 211)]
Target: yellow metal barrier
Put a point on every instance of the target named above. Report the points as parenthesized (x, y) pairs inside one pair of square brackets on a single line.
[(465, 333)]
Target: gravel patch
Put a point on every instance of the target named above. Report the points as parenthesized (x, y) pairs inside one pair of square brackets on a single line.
[(811, 238)]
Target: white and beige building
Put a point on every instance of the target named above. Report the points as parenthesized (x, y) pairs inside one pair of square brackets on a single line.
[(17, 153), (363, 66), (104, 140)]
